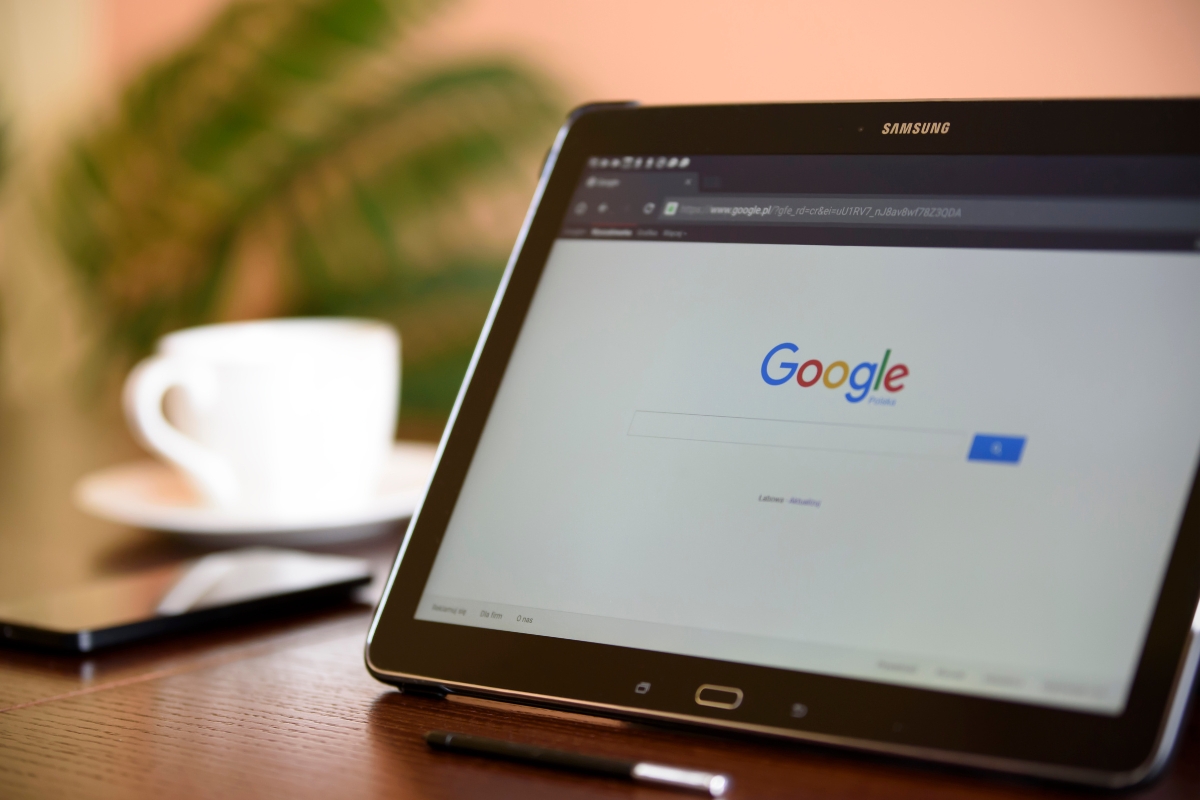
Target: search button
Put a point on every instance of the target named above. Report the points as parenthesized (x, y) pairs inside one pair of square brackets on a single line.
[(1003, 449)]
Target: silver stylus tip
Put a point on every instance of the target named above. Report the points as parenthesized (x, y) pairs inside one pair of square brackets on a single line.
[(711, 783)]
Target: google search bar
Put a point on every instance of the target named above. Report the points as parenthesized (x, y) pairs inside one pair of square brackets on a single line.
[(836, 437)]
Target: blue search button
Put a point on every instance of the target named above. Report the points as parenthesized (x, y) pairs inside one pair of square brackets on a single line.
[(1005, 449)]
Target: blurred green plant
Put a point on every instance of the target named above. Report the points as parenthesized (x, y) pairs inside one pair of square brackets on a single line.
[(313, 135)]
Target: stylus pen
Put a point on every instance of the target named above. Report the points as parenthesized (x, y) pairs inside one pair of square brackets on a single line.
[(710, 783)]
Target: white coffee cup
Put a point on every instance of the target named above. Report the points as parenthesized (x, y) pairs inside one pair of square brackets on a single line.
[(286, 418)]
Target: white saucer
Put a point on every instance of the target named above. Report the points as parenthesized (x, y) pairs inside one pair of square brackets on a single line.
[(150, 494)]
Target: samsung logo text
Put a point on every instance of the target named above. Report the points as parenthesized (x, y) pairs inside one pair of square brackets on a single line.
[(916, 127)]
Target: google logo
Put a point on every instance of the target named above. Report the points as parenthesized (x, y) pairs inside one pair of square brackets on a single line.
[(865, 378)]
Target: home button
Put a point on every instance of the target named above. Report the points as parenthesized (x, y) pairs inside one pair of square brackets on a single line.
[(726, 697)]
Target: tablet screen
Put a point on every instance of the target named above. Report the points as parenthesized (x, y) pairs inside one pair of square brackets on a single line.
[(920, 420)]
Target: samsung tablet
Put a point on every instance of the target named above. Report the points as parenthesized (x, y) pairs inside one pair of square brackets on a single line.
[(871, 424)]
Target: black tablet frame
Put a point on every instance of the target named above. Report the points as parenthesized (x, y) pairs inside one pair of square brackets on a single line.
[(1015, 737)]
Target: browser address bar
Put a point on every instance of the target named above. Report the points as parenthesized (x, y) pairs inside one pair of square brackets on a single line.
[(1011, 213), (865, 439)]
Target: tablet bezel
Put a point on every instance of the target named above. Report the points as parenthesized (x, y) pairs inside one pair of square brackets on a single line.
[(1016, 737)]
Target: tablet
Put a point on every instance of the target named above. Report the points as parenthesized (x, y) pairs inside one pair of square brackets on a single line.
[(871, 425)]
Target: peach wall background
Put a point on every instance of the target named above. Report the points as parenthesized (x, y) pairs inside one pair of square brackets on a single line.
[(668, 51), (61, 61)]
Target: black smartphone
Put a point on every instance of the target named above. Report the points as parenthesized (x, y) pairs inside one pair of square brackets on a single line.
[(235, 585)]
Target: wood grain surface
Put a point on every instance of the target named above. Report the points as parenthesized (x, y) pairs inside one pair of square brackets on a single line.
[(299, 717), (286, 709)]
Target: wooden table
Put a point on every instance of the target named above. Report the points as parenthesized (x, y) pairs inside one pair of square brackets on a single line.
[(287, 710)]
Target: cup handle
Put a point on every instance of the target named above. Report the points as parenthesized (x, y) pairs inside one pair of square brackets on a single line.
[(145, 389)]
